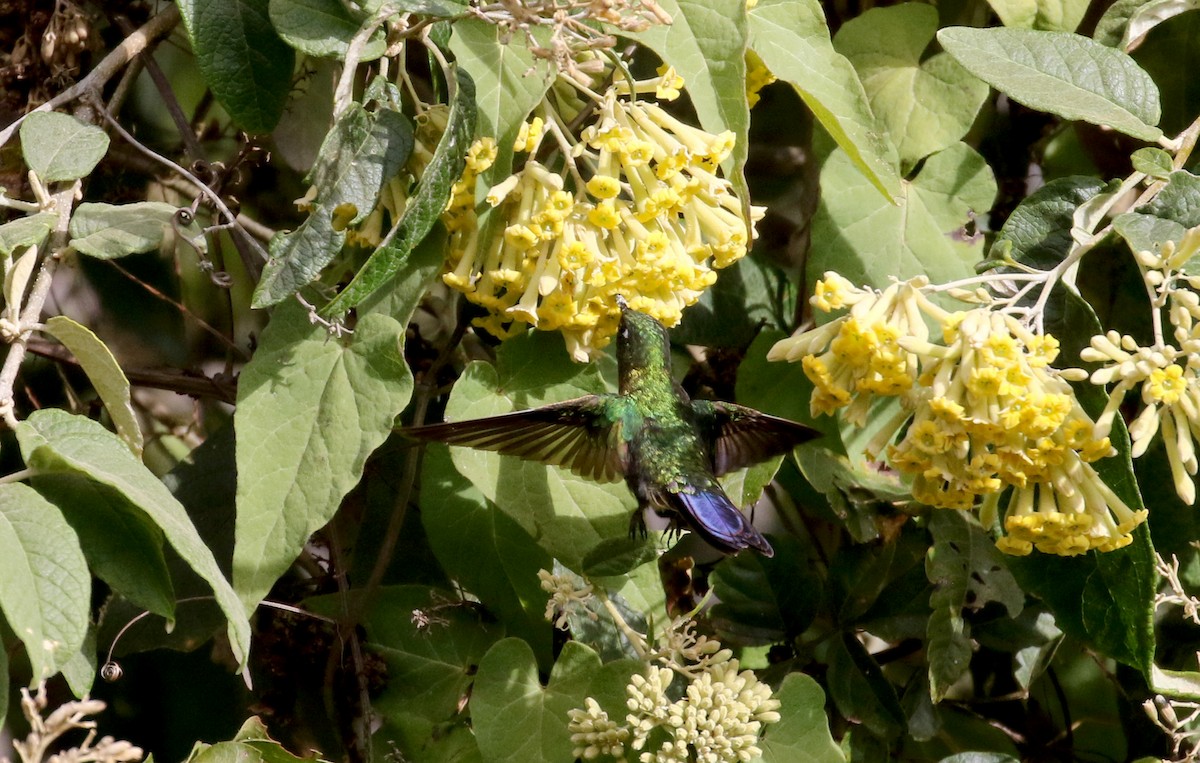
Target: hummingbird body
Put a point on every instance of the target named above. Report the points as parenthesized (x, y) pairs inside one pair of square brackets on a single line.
[(668, 447)]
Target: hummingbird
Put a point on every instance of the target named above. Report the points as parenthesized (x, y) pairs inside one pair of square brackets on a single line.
[(669, 448)]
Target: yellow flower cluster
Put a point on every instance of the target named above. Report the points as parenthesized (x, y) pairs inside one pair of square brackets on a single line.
[(636, 209), (986, 411), (758, 76)]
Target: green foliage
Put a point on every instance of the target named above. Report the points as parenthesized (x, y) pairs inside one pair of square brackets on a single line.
[(242, 58), (793, 39), (400, 601), (57, 147), (1061, 73)]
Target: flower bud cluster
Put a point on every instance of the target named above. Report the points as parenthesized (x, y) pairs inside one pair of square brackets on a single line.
[(1166, 372)]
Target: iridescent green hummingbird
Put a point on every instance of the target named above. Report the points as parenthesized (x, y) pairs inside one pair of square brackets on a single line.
[(669, 448)]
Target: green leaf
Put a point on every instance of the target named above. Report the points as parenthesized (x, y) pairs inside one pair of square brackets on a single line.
[(1154, 162), (483, 549), (108, 231), (1179, 200), (1061, 73), (1052, 15), (517, 719), (860, 690), (968, 573), (734, 310), (924, 104), (241, 58), (26, 231), (46, 594), (424, 208), (617, 556), (780, 389), (567, 514), (54, 440), (1147, 15), (105, 374), (706, 43), (310, 410), (322, 28), (802, 733), (1039, 229), (766, 600), (122, 545), (508, 82), (432, 642), (362, 153), (1112, 24), (60, 147), (867, 240), (1147, 233), (792, 39)]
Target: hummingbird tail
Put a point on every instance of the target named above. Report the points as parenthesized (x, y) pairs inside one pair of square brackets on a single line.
[(714, 517)]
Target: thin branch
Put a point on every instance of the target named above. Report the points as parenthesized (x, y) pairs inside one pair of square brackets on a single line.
[(186, 132), (158, 26), (59, 238), (192, 384), (203, 324)]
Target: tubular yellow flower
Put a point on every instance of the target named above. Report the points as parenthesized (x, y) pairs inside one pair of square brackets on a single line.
[(651, 222), (985, 412)]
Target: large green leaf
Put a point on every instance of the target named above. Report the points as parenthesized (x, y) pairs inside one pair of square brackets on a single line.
[(105, 374), (322, 28), (53, 440), (60, 147), (424, 208), (1061, 73), (107, 231), (508, 81), (792, 38), (925, 104), (968, 573), (802, 733), (867, 240), (363, 151), (242, 59), (122, 545), (46, 593), (568, 515), (25, 231), (706, 42), (860, 690), (763, 600), (517, 719), (310, 410), (484, 550), (1051, 15), (432, 643)]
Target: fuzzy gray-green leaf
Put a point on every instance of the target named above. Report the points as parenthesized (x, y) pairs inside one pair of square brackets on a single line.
[(1061, 73)]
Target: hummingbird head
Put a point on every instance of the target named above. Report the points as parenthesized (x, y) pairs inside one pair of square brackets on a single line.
[(642, 342)]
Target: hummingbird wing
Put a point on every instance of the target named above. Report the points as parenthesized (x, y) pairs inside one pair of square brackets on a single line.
[(739, 436), (582, 435)]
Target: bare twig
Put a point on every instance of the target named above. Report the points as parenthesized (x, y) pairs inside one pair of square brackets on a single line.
[(158, 26), (59, 237), (192, 384)]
